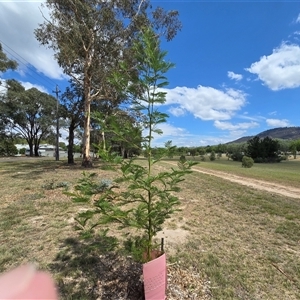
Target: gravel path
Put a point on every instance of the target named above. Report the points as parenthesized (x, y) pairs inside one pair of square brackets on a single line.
[(254, 183)]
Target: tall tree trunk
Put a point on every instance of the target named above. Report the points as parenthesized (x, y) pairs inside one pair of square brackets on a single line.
[(123, 152), (87, 161), (71, 143), (103, 140), (36, 150), (31, 149)]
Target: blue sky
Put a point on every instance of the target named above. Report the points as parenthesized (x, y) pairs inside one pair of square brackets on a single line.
[(237, 67)]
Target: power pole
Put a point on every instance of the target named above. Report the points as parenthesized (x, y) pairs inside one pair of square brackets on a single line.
[(57, 124)]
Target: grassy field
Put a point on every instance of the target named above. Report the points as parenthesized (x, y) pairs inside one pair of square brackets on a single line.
[(246, 242), (286, 172)]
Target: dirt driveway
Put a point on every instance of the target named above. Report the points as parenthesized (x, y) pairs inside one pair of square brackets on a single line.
[(254, 183)]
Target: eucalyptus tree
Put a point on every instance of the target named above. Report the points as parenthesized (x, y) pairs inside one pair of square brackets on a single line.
[(91, 37), (126, 122), (72, 101), (29, 113), (5, 62)]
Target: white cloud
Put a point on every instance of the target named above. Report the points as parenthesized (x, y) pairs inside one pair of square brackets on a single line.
[(279, 70), (170, 132), (2, 86), (251, 118), (234, 76), (176, 111), (236, 134), (28, 85), (210, 140), (278, 123), (298, 19), (207, 103), (273, 113), (17, 23), (182, 137), (232, 127)]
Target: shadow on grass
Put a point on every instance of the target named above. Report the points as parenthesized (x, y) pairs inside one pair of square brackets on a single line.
[(93, 270), (28, 167), (34, 168)]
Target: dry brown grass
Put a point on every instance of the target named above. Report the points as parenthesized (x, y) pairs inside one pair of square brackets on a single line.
[(245, 242), (37, 225)]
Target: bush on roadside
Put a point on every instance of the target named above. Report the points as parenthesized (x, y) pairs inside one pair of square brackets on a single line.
[(7, 148), (182, 158), (259, 160), (212, 156), (236, 156), (202, 158), (284, 157), (22, 151), (247, 162)]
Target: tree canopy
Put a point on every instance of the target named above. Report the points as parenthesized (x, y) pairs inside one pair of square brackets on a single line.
[(90, 39), (5, 62), (263, 150), (30, 113)]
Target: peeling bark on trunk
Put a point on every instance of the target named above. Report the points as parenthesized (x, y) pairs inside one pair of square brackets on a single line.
[(87, 161), (103, 140)]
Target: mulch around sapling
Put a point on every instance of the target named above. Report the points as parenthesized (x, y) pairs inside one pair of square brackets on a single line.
[(119, 277)]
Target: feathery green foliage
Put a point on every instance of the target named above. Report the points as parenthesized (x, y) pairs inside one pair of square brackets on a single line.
[(140, 198)]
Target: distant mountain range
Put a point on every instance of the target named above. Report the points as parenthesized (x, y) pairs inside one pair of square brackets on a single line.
[(284, 133)]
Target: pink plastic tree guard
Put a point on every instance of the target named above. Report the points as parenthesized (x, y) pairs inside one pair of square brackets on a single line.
[(155, 278)]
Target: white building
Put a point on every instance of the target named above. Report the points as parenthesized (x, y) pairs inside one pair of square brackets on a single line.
[(47, 150)]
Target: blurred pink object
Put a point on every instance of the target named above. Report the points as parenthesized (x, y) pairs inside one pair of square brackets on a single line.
[(155, 278), (25, 282)]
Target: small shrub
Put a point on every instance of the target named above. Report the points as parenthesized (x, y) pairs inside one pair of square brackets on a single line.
[(259, 160), (247, 162), (202, 158), (7, 148), (182, 159), (22, 151), (212, 156), (236, 156), (51, 185)]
